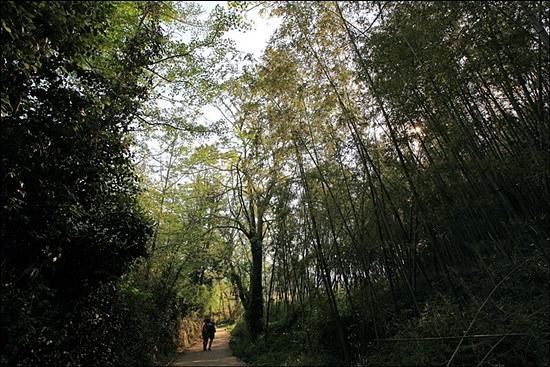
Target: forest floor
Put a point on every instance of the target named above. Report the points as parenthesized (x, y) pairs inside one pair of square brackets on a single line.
[(220, 355)]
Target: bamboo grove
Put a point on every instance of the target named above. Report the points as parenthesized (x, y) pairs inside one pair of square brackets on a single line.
[(392, 179)]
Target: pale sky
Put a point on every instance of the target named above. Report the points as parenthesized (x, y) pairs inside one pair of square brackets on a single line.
[(253, 41)]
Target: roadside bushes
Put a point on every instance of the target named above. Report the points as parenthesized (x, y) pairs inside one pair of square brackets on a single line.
[(294, 339), (495, 316), (497, 320), (189, 331), (104, 328)]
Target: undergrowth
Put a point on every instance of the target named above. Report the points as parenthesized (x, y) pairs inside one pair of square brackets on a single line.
[(284, 347), (496, 319)]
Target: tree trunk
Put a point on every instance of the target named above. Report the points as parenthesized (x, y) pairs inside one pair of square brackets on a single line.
[(254, 314)]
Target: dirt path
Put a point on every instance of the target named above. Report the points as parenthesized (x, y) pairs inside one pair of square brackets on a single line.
[(220, 355)]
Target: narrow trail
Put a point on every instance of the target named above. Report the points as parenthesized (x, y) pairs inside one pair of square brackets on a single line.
[(220, 355)]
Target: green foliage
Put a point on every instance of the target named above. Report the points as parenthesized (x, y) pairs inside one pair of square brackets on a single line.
[(66, 170), (70, 220), (499, 323), (485, 322), (294, 339), (105, 327), (29, 320)]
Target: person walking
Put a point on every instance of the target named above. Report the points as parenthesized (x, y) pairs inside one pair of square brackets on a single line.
[(208, 334)]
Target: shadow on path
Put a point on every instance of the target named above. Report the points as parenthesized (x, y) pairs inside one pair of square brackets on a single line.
[(220, 355)]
